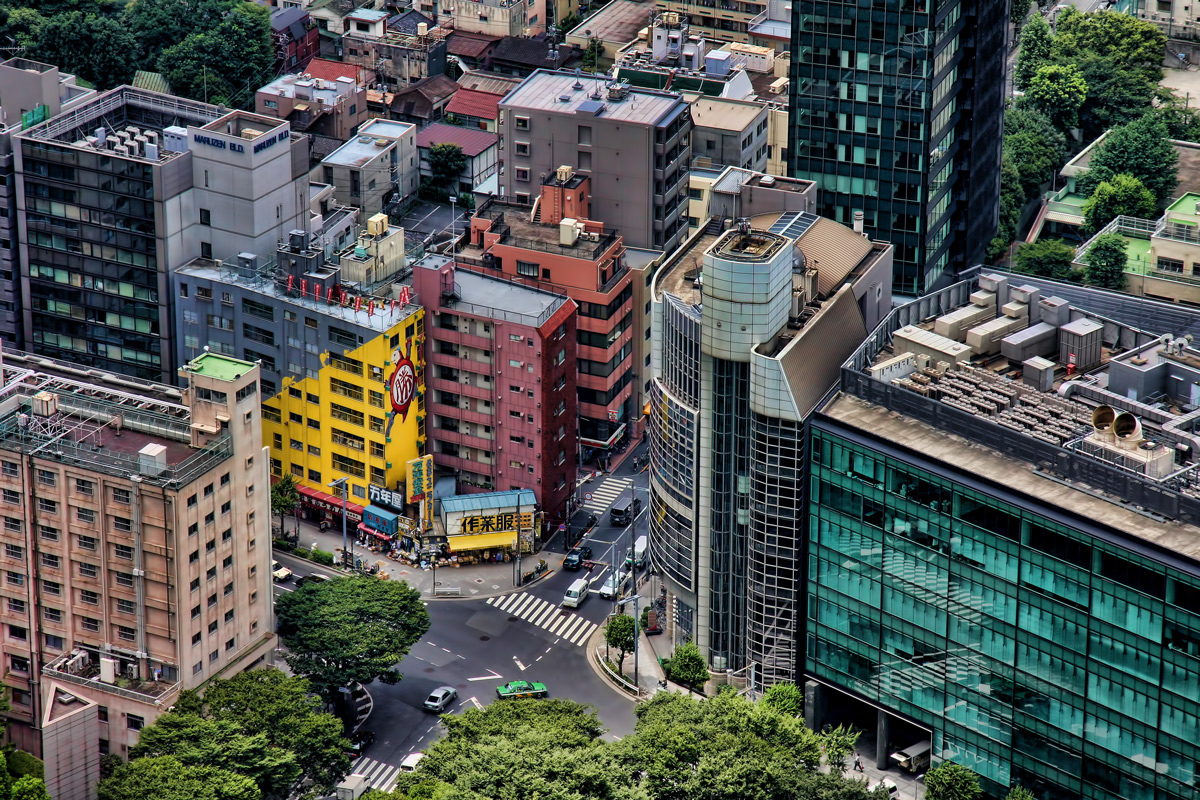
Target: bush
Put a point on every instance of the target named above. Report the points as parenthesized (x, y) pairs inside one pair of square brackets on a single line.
[(300, 553), (283, 544), (21, 763), (321, 557)]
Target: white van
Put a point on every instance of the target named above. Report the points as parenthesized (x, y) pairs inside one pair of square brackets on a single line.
[(410, 762), (577, 592), (638, 557), (888, 787)]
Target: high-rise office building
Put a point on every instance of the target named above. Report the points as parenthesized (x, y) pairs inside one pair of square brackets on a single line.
[(137, 548), (1009, 569), (120, 190), (752, 325), (896, 112)]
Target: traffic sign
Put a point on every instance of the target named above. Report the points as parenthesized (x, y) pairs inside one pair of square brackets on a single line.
[(562, 527), (587, 498)]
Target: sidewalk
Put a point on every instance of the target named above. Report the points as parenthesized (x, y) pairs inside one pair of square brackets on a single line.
[(475, 581)]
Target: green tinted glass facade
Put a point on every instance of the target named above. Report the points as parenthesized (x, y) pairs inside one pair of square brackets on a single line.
[(1039, 649)]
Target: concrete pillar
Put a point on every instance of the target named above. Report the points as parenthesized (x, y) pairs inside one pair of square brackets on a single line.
[(814, 705), (883, 724)]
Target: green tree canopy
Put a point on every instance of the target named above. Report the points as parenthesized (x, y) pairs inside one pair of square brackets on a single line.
[(686, 666), (950, 781), (1106, 261), (285, 497), (1034, 146), (198, 742), (349, 629), (1035, 50), (1132, 43), (167, 778), (1058, 91), (786, 698), (1019, 793), (1012, 201), (620, 635), (446, 163), (1140, 149), (97, 48), (28, 787), (225, 63), (838, 744), (1116, 94), (1121, 194), (1045, 258)]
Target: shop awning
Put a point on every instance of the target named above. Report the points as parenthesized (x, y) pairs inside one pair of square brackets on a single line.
[(367, 529), (330, 503), (481, 541)]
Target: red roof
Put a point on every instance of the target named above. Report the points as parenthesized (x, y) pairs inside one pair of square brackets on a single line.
[(472, 103), (471, 140), (471, 45), (332, 70)]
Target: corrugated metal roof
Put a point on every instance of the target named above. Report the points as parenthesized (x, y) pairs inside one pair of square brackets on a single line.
[(151, 81), (472, 103), (472, 141), (833, 250), (489, 500)]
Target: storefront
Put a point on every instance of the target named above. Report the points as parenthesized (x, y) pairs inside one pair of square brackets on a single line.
[(486, 527), (317, 506), (386, 531)]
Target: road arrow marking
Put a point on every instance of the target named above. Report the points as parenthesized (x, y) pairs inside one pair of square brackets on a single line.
[(476, 702), (519, 664), (492, 677)]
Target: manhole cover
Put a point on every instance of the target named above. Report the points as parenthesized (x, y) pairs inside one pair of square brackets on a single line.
[(564, 613), (485, 638), (514, 619), (429, 669), (479, 580)]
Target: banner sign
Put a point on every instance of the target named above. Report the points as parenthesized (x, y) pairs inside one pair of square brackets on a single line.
[(496, 523), (420, 478)]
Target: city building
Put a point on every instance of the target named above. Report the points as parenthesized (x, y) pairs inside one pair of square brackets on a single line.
[(296, 38), (376, 167), (639, 138), (493, 17), (1003, 546), (502, 383), (772, 27), (554, 244), (728, 23), (399, 54), (471, 50), (181, 179), (423, 102), (902, 121), (333, 105), (522, 56), (137, 551), (672, 55), (481, 148), (376, 257), (331, 15), (490, 82), (475, 109), (333, 405), (729, 132), (752, 322), (614, 25), (29, 92)]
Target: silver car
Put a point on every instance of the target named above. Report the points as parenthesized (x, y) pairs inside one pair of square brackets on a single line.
[(439, 698), (614, 584)]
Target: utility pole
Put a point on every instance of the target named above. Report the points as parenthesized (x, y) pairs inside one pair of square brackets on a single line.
[(342, 482)]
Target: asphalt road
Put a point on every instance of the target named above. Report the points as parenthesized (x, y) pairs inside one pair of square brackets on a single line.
[(475, 646)]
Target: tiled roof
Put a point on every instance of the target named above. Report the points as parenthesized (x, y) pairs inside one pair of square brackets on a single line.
[(470, 45), (472, 141), (435, 88), (531, 52), (332, 70), (471, 103), (490, 82)]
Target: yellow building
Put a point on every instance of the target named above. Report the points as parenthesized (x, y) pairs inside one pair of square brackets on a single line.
[(362, 417)]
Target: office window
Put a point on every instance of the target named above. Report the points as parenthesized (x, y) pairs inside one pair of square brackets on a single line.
[(13, 525), (19, 633), (16, 606), (134, 723), (54, 642), (121, 496), (87, 570), (46, 477), (89, 624), (12, 496), (205, 217), (52, 588), (124, 579), (87, 543), (52, 614), (123, 551), (85, 515), (126, 606), (89, 597), (47, 506), (14, 551)]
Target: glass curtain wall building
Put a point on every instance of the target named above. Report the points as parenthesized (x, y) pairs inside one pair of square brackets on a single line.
[(896, 111), (1035, 606)]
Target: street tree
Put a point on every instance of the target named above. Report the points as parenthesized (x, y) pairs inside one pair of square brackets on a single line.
[(786, 698), (838, 744), (1120, 195), (285, 497), (28, 787), (1142, 149), (1106, 262), (1132, 43), (97, 48), (282, 708), (950, 781), (1116, 94), (1058, 91), (167, 778), (687, 666), (446, 163), (1012, 202), (1018, 11), (1045, 258), (1035, 49), (1020, 793), (620, 634), (349, 630), (1034, 146), (198, 742)]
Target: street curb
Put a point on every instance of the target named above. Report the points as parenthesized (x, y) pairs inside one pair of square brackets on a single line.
[(359, 722), (593, 643)]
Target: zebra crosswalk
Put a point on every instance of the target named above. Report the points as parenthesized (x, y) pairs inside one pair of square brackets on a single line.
[(546, 615), (379, 775), (606, 492)]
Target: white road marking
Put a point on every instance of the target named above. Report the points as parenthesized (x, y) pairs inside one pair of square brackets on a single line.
[(543, 614), (539, 658), (519, 664), (476, 702), (447, 650), (283, 588), (495, 676)]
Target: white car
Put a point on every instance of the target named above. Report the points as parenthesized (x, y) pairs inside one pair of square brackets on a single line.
[(410, 762), (279, 572), (614, 584), (440, 697)]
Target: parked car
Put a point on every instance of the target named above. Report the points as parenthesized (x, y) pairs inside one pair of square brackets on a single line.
[(886, 788), (576, 557), (360, 741), (439, 698), (279, 572), (316, 578), (522, 689)]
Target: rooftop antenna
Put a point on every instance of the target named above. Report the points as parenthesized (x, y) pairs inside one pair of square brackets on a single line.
[(578, 75)]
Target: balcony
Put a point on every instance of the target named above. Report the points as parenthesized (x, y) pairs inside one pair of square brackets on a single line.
[(453, 336), (457, 387), (464, 464), (68, 670), (465, 415), (461, 439), (467, 365)]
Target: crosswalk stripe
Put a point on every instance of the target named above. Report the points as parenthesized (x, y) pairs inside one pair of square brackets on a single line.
[(547, 612), (533, 609), (585, 633), (502, 602), (572, 632), (491, 601), (569, 629), (561, 625), (516, 609)]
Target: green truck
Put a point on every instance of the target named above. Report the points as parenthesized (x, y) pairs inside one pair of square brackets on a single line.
[(521, 689)]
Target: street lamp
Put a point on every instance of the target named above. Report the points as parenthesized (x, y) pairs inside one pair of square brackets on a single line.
[(342, 482), (636, 621), (453, 218)]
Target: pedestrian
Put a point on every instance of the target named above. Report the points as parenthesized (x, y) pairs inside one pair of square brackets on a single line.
[(858, 763)]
